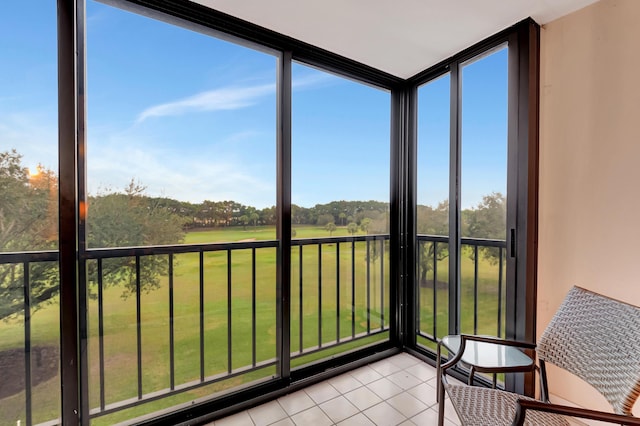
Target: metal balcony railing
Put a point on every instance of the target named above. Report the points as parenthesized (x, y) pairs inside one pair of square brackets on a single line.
[(482, 286), (375, 252), (358, 298), (340, 296), (18, 266)]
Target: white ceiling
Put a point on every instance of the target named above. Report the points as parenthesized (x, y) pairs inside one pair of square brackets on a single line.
[(401, 37)]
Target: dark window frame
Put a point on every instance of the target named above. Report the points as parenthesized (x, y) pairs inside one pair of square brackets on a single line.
[(72, 140), (523, 42)]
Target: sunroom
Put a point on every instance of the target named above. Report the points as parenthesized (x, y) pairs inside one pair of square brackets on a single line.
[(208, 205)]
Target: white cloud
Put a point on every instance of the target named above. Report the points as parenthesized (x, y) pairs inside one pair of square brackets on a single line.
[(230, 98), (112, 163), (313, 80), (213, 100), (34, 135), (118, 152)]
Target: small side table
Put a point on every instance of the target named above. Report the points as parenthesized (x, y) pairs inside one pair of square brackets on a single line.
[(486, 357)]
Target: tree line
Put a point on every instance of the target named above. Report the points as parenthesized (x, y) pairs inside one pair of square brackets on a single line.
[(219, 214), (127, 218)]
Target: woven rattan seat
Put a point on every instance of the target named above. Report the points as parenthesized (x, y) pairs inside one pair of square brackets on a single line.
[(592, 336), (482, 407)]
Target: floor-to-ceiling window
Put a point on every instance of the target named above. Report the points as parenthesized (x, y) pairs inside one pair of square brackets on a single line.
[(29, 303), (432, 210), (180, 163), (461, 219), (483, 192), (475, 168), (340, 214)]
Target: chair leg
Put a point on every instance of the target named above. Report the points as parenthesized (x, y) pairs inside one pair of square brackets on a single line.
[(438, 371), (440, 396), (544, 389), (439, 385)]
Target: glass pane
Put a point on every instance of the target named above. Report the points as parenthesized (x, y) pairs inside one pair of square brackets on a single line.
[(181, 151), (484, 185), (433, 206), (340, 192), (29, 305)]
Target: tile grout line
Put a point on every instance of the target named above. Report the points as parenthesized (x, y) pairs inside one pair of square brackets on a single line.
[(387, 371)]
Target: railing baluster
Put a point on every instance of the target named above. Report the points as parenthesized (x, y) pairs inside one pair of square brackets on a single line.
[(368, 287), (201, 301), (353, 289), (338, 292), (229, 313), (500, 254), (139, 327), (475, 289), (300, 331), (320, 295), (101, 332), (435, 290), (253, 306), (381, 284), (27, 342), (172, 365), (419, 287)]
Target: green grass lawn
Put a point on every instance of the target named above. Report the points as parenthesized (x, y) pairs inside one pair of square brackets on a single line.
[(327, 321), (487, 299)]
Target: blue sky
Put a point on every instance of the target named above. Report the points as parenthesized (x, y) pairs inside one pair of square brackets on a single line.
[(28, 81), (484, 133), (193, 118)]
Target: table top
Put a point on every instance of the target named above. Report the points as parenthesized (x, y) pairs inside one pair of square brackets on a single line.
[(488, 355)]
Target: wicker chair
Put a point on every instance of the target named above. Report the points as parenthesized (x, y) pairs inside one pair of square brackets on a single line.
[(594, 337)]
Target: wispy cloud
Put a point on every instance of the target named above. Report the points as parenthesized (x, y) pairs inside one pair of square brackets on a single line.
[(222, 167), (314, 79), (114, 161), (228, 98), (34, 134)]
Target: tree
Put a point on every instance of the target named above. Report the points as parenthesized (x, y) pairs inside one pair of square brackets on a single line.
[(364, 225), (244, 219), (28, 221), (432, 221), (379, 223), (330, 227), (268, 215), (324, 219), (253, 217), (352, 228), (130, 219), (342, 217), (488, 221)]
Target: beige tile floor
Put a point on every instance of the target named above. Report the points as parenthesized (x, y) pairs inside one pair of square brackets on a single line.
[(399, 390)]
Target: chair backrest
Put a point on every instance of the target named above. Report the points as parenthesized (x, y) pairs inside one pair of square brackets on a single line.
[(597, 339)]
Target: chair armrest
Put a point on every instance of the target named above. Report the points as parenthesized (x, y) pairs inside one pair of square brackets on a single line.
[(524, 405), (498, 341), (486, 339)]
